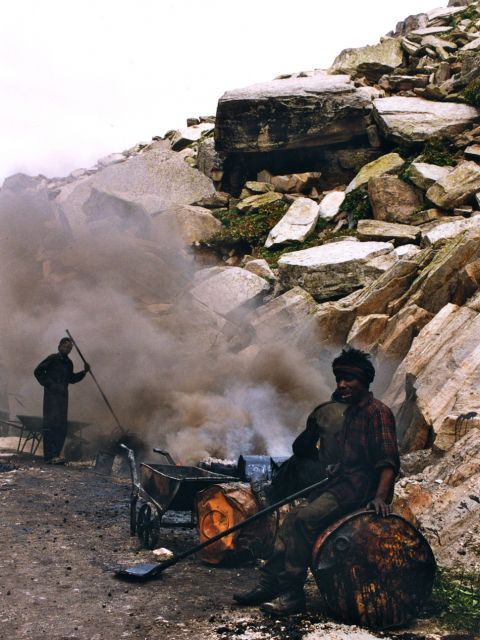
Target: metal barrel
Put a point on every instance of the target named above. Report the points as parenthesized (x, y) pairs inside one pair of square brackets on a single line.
[(373, 571)]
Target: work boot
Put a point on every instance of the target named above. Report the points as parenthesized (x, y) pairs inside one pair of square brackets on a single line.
[(287, 603), (57, 460), (257, 595)]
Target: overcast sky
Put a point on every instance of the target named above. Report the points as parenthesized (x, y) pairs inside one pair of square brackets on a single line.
[(80, 80)]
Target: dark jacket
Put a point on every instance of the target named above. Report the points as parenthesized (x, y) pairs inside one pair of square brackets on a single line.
[(55, 373)]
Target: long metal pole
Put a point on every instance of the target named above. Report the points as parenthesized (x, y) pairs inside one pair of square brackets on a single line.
[(97, 383), (145, 572)]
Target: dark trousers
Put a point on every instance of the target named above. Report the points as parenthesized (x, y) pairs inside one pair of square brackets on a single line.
[(55, 411), (287, 566)]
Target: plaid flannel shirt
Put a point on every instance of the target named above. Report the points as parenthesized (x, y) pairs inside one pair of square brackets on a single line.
[(368, 443)]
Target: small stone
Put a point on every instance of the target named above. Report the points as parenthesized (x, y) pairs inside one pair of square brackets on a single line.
[(330, 204), (296, 225), (387, 164), (260, 268), (255, 202), (423, 175)]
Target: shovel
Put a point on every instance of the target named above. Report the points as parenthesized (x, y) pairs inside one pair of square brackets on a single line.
[(149, 571)]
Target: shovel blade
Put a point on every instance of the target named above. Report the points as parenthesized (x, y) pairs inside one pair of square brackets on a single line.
[(146, 571)]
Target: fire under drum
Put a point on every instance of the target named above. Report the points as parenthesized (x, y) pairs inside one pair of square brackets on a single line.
[(373, 571), (220, 507)]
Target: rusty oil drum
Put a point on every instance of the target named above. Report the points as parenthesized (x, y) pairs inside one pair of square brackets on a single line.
[(373, 571)]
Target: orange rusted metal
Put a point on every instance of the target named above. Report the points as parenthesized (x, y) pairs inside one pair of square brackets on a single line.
[(222, 506), (373, 571)]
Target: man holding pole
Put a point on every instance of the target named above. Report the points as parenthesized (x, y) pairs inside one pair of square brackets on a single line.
[(55, 373)]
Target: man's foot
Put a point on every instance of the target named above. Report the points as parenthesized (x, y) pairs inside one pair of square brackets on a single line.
[(57, 460), (256, 596), (287, 603)]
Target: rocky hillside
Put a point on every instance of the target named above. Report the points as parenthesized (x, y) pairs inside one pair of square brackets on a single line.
[(334, 206)]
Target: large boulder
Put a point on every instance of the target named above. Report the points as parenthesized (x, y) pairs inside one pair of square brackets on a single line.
[(292, 113), (457, 186), (296, 225), (283, 315), (371, 61), (334, 270), (193, 224), (414, 120), (392, 199), (151, 181), (391, 163), (223, 290)]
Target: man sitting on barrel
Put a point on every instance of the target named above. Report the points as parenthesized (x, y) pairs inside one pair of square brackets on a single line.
[(368, 462)]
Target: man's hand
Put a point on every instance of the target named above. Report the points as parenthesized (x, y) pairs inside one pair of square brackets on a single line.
[(87, 367), (380, 506)]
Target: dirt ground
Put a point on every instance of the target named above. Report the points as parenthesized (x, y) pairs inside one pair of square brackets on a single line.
[(63, 532)]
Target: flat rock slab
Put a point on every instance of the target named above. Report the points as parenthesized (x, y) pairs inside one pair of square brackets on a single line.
[(423, 174), (415, 120), (457, 187), (296, 225), (384, 231), (184, 137), (371, 61), (292, 113), (334, 270), (390, 163), (225, 289), (444, 230)]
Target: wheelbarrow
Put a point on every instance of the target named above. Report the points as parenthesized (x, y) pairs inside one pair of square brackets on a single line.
[(31, 431), (161, 488)]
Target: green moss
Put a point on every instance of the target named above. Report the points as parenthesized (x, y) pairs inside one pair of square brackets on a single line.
[(243, 232), (469, 13), (437, 152), (357, 205), (456, 600), (471, 93)]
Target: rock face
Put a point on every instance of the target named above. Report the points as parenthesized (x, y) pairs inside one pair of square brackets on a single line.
[(371, 61), (384, 231), (390, 163), (296, 225), (292, 113), (223, 290), (457, 187), (336, 269), (392, 199), (444, 498), (414, 120)]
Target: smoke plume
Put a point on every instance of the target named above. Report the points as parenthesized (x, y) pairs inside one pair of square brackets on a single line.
[(178, 375)]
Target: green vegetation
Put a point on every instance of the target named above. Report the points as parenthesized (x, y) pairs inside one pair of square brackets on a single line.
[(437, 152), (357, 205), (244, 232), (471, 93), (469, 13), (456, 600)]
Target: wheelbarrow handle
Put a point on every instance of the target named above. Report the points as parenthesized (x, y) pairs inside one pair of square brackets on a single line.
[(152, 570)]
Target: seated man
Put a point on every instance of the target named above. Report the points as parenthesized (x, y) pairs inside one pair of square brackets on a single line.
[(368, 462)]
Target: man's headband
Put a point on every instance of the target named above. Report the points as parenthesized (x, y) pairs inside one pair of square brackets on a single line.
[(356, 372)]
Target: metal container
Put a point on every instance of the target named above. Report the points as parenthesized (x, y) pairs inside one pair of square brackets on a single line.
[(258, 467), (373, 571)]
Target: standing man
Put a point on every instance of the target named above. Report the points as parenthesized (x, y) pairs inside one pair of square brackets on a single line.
[(55, 373), (368, 462)]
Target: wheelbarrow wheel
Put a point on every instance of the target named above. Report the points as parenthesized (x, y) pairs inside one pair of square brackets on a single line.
[(148, 527)]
